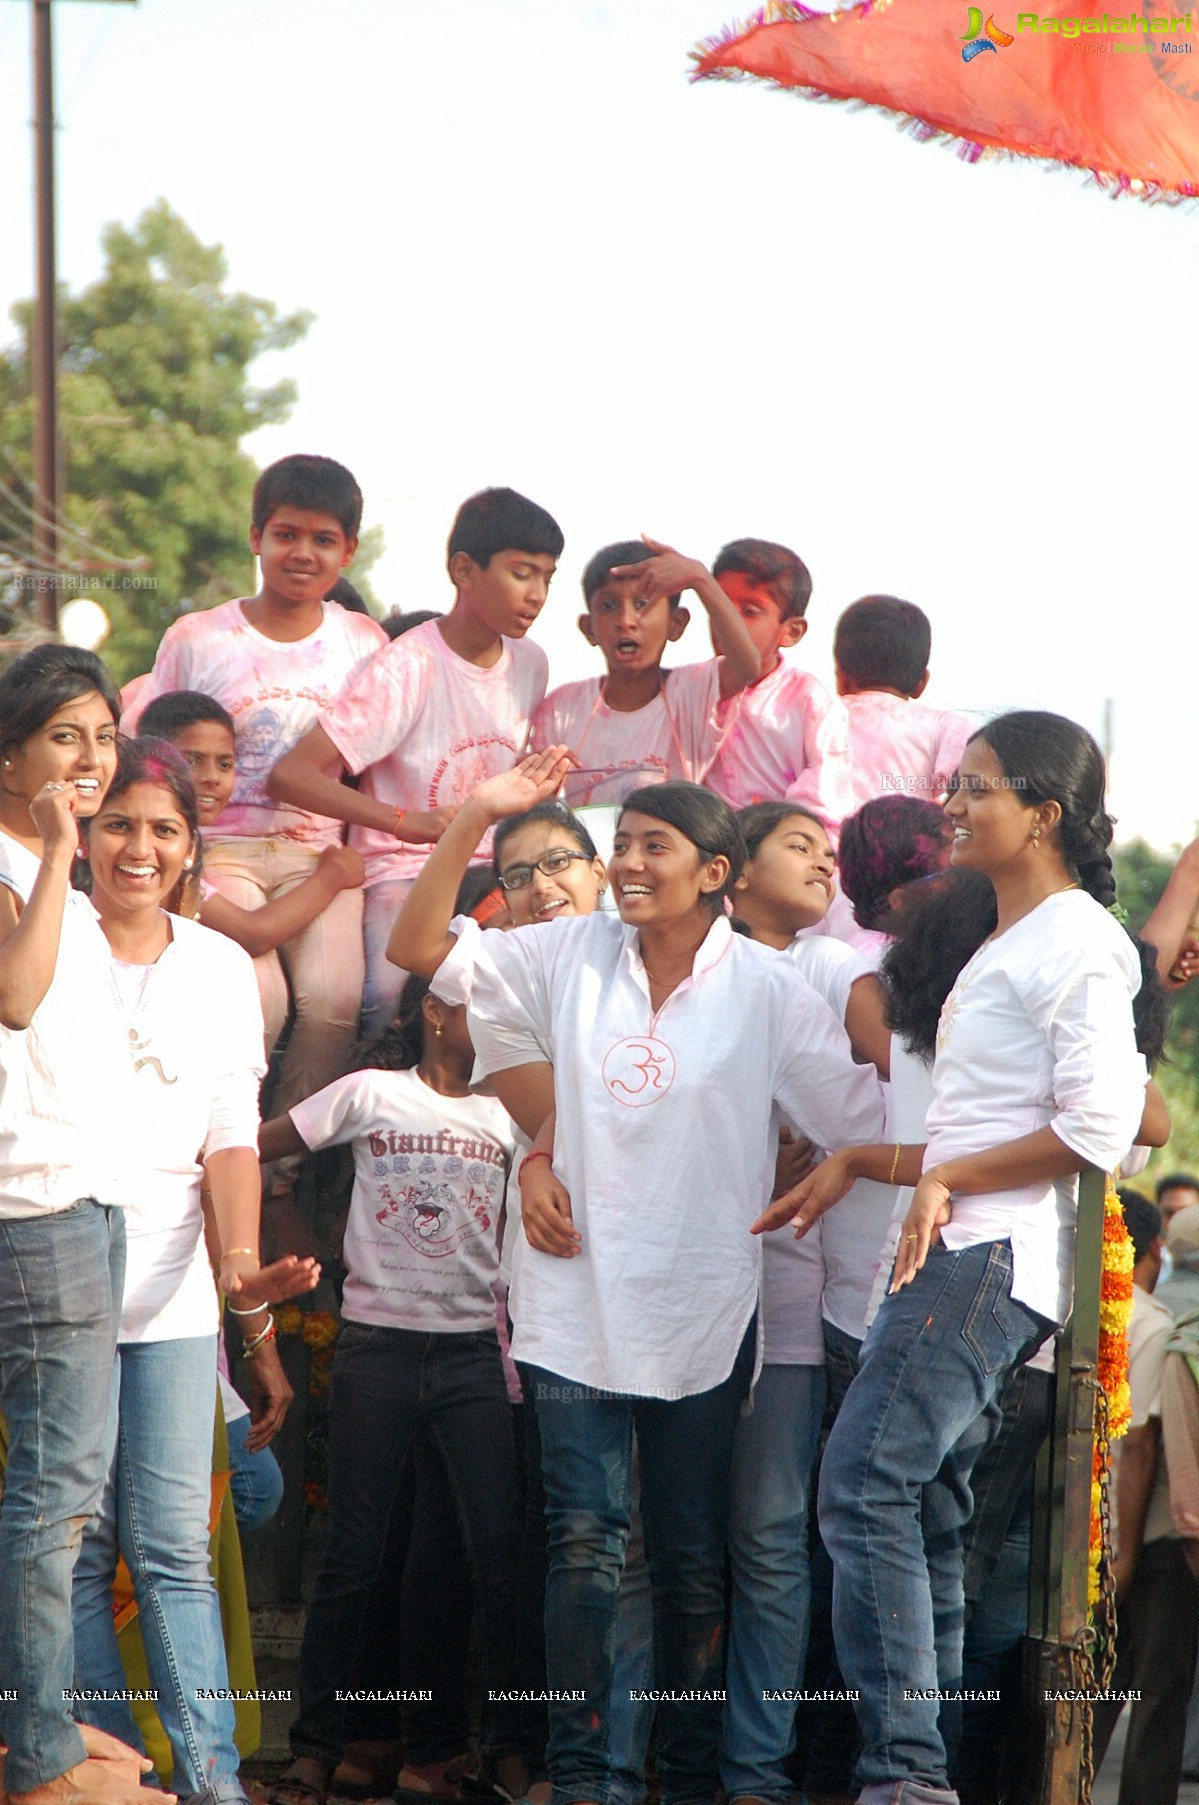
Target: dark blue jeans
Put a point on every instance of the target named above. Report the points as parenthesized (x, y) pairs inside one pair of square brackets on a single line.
[(686, 1453), (62, 1275), (895, 1494), (387, 1383)]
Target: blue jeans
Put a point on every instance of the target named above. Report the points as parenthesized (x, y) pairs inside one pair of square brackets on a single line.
[(154, 1512), (768, 1556), (633, 1665), (254, 1478), (686, 1450), (387, 1385), (62, 1275), (895, 1494)]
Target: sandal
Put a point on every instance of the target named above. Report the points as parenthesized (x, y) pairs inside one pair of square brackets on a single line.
[(440, 1782), (294, 1789), (367, 1770)]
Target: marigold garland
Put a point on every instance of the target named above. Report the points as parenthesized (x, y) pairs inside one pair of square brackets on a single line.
[(318, 1329), (1115, 1314)]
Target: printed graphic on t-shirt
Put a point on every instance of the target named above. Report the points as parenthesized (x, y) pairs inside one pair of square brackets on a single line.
[(436, 1199), (639, 1070)]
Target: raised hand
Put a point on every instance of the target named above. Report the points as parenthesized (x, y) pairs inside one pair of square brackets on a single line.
[(665, 572), (531, 780)]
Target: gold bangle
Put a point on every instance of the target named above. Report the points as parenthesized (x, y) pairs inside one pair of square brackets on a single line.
[(895, 1163), (230, 1252)]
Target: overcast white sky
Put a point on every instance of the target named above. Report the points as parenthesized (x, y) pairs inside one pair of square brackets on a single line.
[(537, 256)]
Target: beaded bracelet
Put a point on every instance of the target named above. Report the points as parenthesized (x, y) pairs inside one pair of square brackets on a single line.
[(895, 1163)]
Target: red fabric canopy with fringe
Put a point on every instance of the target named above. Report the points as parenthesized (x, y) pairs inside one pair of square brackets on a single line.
[(1103, 91)]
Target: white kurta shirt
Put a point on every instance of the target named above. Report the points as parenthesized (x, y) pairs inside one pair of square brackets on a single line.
[(663, 1139), (1038, 1032)]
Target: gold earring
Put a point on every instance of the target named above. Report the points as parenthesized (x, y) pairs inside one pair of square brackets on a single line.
[(437, 1030), (1036, 839)]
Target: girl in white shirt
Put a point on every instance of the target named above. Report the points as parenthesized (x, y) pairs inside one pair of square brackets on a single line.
[(62, 1236), (192, 1024), (666, 1043), (1036, 1075), (418, 1349), (786, 886)]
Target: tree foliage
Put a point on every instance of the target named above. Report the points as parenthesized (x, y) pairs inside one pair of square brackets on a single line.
[(154, 400)]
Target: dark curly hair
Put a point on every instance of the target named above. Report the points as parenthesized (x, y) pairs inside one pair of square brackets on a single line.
[(943, 922)]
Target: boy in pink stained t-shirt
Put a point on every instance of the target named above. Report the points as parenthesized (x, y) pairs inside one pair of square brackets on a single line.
[(896, 742), (784, 735), (640, 718), (273, 661), (445, 706)]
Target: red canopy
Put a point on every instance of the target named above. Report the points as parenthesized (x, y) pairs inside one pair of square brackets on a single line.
[(1104, 91)]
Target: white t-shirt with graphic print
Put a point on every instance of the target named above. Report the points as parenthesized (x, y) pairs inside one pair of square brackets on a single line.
[(429, 1177)]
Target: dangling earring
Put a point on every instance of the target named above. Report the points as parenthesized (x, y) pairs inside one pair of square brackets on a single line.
[(1036, 839), (437, 1030)]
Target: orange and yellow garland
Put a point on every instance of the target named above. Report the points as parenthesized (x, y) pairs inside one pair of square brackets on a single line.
[(1115, 1314)]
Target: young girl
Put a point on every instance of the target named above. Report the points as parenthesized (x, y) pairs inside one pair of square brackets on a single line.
[(418, 1348), (670, 1042), (785, 887), (65, 1107), (1036, 1075), (547, 870), (195, 1071)]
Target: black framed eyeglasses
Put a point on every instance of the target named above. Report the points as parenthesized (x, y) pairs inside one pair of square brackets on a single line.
[(518, 877)]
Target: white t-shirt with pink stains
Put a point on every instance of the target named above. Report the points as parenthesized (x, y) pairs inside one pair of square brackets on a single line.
[(424, 726), (784, 736), (274, 690), (901, 747), (674, 736)]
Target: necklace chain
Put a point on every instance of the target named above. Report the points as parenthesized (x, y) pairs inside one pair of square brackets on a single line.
[(138, 1043)]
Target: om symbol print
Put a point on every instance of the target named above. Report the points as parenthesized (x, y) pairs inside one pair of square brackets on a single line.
[(638, 1071)]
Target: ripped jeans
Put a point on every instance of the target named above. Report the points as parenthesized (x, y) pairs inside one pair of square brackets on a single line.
[(686, 1452)]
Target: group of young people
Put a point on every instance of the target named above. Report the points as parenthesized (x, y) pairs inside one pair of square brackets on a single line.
[(663, 1167)]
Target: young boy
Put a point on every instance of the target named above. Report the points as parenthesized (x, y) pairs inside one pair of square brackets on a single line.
[(198, 727), (443, 707), (640, 716), (881, 653), (784, 735), (273, 661)]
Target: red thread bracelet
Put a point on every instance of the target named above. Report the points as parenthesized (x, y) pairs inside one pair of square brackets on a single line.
[(399, 822), (537, 1153)]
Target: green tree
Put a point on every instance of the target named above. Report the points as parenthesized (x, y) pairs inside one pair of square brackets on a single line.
[(1141, 876), (154, 400)]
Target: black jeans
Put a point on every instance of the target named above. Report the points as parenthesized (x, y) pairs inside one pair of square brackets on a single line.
[(416, 1627), (1156, 1632), (387, 1383)]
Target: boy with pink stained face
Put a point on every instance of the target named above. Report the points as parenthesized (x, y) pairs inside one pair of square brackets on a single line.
[(442, 708), (273, 660), (784, 735)]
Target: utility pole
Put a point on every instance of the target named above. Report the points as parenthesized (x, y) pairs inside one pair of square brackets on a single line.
[(45, 326)]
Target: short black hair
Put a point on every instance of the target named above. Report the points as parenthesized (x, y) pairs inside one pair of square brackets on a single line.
[(1176, 1181), (1142, 1219), (551, 810), (758, 820), (178, 710), (500, 520), (346, 596), (882, 642), (396, 624), (601, 565), (887, 843), (317, 484), (776, 567)]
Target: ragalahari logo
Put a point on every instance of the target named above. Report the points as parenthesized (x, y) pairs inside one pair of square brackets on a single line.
[(992, 36)]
